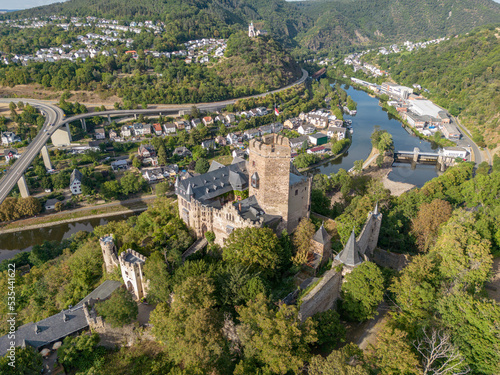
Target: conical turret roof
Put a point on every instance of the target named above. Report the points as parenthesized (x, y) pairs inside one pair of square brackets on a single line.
[(350, 254), (321, 235)]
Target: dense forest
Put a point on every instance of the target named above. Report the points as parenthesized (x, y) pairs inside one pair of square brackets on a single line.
[(311, 25), (344, 23), (461, 74)]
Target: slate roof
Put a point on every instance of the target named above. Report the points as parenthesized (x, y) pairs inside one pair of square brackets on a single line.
[(249, 209), (321, 236), (210, 185), (58, 326), (76, 175), (350, 254)]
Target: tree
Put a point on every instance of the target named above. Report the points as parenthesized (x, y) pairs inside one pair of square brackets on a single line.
[(131, 183), (190, 327), (426, 225), (358, 165), (162, 155), (362, 291), (80, 352), (346, 361), (473, 324), (417, 288), (439, 355), (257, 248), (161, 189), (465, 257), (330, 330), (302, 241), (28, 361), (59, 206), (276, 338), (111, 189), (155, 270), (136, 162), (393, 354), (120, 309), (202, 166), (385, 142), (29, 206)]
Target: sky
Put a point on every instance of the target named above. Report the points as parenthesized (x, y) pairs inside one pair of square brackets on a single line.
[(23, 4)]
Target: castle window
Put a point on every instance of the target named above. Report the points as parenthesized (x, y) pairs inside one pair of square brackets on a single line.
[(253, 163), (296, 191), (255, 180)]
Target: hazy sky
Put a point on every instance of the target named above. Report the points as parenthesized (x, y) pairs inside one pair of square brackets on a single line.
[(22, 4)]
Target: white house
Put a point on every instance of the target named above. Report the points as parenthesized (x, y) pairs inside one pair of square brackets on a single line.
[(100, 134), (126, 131), (306, 129), (9, 137), (169, 128), (455, 152), (75, 182), (336, 132)]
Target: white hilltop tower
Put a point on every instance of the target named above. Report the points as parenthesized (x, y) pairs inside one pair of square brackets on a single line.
[(251, 31), (131, 263)]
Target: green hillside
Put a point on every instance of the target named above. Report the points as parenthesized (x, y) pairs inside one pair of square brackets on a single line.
[(341, 23), (188, 19), (462, 75)]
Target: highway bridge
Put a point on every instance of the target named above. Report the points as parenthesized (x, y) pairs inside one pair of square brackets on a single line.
[(56, 127)]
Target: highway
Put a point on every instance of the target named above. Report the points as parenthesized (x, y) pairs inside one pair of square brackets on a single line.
[(54, 119)]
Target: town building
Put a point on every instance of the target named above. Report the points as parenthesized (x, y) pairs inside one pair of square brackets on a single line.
[(455, 152), (75, 182), (396, 91), (169, 128), (278, 196), (296, 143), (318, 139), (158, 129), (11, 154), (100, 133), (9, 137), (182, 152), (336, 132)]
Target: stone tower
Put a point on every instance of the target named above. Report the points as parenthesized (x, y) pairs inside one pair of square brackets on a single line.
[(251, 30), (109, 252), (269, 173), (131, 263)]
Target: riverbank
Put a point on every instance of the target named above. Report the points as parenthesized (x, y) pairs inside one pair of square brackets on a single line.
[(326, 160), (71, 220), (382, 173), (105, 210)]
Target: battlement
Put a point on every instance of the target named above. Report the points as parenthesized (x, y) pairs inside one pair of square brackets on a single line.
[(132, 257), (107, 241), (271, 145)]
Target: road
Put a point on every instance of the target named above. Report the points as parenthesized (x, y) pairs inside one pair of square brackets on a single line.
[(54, 119), (53, 115)]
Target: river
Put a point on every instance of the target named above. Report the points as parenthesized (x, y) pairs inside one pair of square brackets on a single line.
[(13, 243), (369, 114)]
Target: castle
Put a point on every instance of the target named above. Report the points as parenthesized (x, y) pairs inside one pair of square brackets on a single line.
[(131, 265), (278, 195)]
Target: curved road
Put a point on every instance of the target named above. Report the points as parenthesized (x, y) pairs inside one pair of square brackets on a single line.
[(54, 119)]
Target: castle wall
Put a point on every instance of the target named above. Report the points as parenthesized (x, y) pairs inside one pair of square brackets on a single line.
[(270, 158), (228, 219), (368, 238), (390, 260), (299, 204), (323, 296)]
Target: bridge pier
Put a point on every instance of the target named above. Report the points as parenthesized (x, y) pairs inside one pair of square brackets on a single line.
[(46, 157), (416, 151), (23, 187), (62, 136), (135, 116), (84, 124), (109, 119)]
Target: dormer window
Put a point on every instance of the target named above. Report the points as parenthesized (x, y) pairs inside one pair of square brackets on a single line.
[(255, 180)]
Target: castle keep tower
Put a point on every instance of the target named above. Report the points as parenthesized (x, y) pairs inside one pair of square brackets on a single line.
[(131, 263), (109, 252), (269, 173)]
